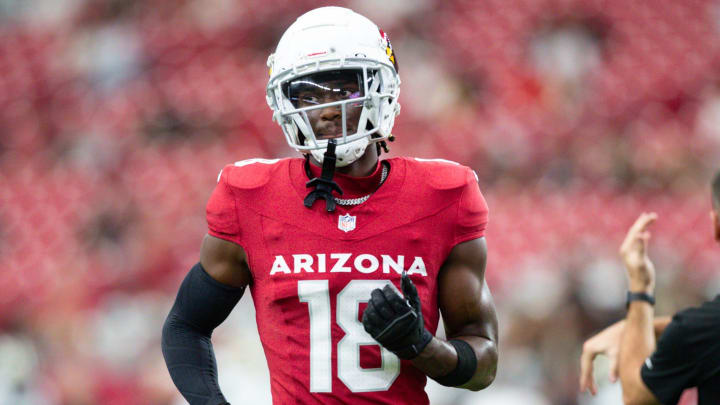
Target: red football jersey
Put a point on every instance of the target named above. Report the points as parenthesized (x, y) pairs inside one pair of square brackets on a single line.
[(313, 270)]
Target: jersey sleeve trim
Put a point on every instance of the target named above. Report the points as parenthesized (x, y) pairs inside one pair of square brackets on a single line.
[(224, 237), (235, 235), (469, 236), (479, 230)]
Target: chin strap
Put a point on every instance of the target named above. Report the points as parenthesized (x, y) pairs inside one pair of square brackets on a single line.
[(324, 185)]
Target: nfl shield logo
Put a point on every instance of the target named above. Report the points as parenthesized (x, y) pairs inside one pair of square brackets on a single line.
[(346, 222)]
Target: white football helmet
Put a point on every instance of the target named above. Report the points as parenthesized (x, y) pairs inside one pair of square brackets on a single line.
[(335, 39)]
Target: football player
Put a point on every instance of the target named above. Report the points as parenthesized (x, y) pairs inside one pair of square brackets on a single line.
[(350, 260)]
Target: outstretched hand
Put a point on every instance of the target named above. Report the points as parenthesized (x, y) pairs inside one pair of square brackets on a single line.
[(641, 276), (633, 251), (606, 342)]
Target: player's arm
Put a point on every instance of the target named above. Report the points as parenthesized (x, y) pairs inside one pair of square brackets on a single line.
[(225, 262), (206, 297), (469, 316)]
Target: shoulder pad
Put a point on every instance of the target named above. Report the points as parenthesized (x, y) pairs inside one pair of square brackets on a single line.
[(251, 173), (440, 173)]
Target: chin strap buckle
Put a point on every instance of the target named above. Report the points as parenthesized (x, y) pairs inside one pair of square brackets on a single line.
[(324, 185)]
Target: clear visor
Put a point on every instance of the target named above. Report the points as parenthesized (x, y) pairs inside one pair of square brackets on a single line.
[(325, 102)]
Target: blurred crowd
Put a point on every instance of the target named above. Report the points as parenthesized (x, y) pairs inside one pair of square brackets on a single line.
[(116, 116)]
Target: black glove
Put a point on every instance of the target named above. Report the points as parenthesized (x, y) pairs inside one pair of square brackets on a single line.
[(397, 322)]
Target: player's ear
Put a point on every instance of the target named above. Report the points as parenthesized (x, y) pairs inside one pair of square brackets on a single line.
[(716, 224)]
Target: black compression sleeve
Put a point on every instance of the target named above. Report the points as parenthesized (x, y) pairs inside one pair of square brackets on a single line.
[(201, 305)]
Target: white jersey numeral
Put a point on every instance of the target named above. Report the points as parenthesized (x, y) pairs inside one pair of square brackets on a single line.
[(317, 294)]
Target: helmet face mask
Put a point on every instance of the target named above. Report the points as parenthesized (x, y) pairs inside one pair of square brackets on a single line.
[(333, 76)]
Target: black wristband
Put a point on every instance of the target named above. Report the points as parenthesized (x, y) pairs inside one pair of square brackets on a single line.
[(639, 296), (466, 365)]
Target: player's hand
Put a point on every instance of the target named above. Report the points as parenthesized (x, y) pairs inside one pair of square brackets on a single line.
[(606, 342), (397, 322), (640, 269)]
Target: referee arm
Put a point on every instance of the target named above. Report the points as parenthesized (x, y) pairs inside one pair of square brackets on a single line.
[(638, 340)]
